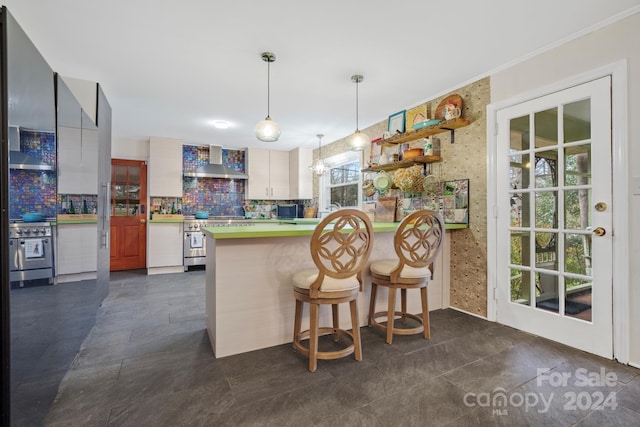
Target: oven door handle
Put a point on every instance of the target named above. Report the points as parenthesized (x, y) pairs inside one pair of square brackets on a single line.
[(22, 241)]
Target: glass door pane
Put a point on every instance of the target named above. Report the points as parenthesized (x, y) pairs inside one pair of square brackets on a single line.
[(126, 190), (550, 261)]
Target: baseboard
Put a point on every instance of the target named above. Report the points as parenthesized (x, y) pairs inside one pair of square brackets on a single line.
[(165, 270), (76, 277), (466, 312)]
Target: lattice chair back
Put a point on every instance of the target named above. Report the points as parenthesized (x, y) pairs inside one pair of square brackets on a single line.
[(340, 246), (418, 240)]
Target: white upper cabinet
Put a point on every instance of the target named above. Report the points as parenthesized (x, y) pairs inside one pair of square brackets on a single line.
[(300, 177), (77, 145), (86, 92), (268, 172), (165, 167), (69, 161), (89, 165)]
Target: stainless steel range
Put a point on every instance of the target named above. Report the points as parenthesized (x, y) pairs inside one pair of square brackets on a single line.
[(30, 251), (194, 245)]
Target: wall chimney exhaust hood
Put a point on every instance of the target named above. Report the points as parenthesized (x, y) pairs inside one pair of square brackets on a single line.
[(215, 168), (20, 160)]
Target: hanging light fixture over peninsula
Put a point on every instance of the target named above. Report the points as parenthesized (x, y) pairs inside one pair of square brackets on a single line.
[(358, 141), (267, 130), (319, 167)]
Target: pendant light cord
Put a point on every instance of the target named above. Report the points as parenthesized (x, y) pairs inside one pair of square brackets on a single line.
[(357, 125), (268, 87)]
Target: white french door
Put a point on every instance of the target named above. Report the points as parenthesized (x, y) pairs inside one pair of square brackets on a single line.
[(554, 238)]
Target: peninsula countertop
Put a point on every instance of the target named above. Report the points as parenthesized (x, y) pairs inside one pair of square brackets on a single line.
[(284, 228)]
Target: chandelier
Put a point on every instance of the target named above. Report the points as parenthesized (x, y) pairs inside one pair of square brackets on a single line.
[(319, 167)]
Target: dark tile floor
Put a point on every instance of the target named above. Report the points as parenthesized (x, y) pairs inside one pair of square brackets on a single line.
[(48, 325), (147, 361)]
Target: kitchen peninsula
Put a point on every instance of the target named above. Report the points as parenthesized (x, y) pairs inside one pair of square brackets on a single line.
[(249, 297)]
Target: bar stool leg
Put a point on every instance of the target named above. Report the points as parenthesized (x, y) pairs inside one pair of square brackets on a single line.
[(425, 313), (313, 337), (403, 304), (355, 329), (336, 322), (391, 314), (297, 322), (372, 303)]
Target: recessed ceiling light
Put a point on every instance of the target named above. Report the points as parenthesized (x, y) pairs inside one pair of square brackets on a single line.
[(221, 124)]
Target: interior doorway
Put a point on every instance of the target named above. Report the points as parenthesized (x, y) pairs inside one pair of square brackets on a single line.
[(128, 214)]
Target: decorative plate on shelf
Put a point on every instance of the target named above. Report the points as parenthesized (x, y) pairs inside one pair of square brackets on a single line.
[(454, 99), (382, 181), (430, 184)]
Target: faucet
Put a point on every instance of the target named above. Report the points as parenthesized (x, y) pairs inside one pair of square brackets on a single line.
[(334, 207)]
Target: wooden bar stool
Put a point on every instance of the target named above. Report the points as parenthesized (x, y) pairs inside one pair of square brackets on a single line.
[(417, 243), (340, 248)]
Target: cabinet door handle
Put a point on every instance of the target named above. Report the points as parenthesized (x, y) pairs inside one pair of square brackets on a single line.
[(267, 191), (103, 211)]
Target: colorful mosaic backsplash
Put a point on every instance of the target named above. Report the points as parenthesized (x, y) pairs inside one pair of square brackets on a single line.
[(217, 196), (30, 190), (77, 203)]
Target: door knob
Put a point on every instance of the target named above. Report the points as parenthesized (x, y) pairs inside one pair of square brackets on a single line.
[(599, 231), (142, 221)]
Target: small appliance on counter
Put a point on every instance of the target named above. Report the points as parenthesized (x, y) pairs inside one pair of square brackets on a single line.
[(287, 211)]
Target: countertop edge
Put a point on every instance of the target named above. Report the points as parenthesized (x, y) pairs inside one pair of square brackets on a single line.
[(283, 229), (75, 221)]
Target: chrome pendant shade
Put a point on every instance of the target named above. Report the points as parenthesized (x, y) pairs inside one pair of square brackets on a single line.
[(358, 141), (319, 167), (267, 130)]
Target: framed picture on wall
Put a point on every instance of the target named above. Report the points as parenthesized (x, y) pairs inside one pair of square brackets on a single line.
[(396, 122), (416, 115), (376, 151)]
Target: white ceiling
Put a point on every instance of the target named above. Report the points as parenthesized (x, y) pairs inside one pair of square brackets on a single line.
[(171, 68)]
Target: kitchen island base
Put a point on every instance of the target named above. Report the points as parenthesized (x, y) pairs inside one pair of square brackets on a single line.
[(249, 296)]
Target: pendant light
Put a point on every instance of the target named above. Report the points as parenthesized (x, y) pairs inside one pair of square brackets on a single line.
[(319, 167), (267, 130), (358, 141)]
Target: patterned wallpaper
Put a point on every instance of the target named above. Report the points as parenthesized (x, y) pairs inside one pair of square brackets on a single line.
[(465, 158), (31, 190)]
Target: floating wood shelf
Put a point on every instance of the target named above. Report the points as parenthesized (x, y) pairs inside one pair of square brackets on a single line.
[(404, 163), (444, 126)]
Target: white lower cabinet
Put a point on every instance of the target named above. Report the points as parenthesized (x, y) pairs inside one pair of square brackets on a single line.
[(76, 253), (164, 248)]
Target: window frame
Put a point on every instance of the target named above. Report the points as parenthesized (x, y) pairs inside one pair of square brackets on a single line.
[(325, 180)]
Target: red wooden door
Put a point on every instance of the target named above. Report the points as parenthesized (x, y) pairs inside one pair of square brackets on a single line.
[(128, 214)]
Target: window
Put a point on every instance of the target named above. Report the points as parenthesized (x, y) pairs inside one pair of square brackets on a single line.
[(341, 185)]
